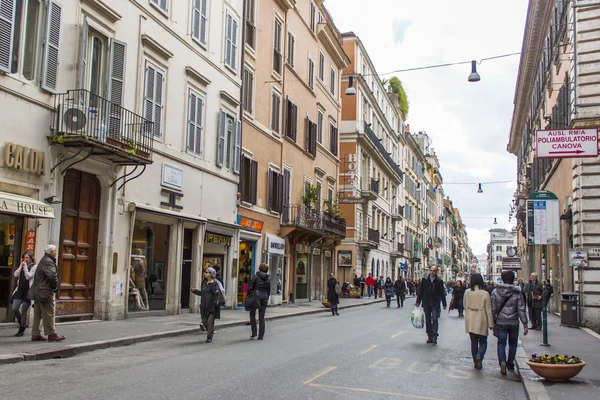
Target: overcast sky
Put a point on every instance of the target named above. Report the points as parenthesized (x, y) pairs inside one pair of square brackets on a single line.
[(469, 123)]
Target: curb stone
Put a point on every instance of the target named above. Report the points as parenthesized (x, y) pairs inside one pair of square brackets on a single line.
[(71, 350)]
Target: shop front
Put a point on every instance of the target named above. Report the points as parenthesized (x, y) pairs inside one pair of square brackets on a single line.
[(302, 272), (18, 232), (275, 257), (249, 256), (220, 253)]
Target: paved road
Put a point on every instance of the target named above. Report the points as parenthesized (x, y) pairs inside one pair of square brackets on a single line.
[(366, 353)]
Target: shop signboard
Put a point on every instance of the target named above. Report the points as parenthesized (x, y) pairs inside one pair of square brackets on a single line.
[(578, 258), (566, 143), (249, 224), (275, 245), (543, 218), (352, 183), (23, 159), (30, 240), (403, 266), (316, 252), (215, 238), (327, 253), (15, 204), (344, 258), (511, 263)]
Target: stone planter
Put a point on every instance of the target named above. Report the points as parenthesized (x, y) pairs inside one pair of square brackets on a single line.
[(556, 372)]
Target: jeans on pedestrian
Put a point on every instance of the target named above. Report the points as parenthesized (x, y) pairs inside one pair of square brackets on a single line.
[(510, 332), (209, 324), (432, 314), (478, 345), (370, 290), (261, 320), (400, 300), (21, 310)]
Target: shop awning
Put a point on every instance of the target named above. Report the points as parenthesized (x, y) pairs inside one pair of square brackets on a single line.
[(22, 205)]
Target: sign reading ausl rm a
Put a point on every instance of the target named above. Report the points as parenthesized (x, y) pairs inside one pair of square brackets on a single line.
[(566, 143)]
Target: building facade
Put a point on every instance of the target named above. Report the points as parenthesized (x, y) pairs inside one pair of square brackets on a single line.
[(128, 112), (500, 241), (557, 88)]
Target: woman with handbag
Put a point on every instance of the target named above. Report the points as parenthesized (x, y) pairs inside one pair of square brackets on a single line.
[(209, 297), (259, 290), (478, 318), (333, 294)]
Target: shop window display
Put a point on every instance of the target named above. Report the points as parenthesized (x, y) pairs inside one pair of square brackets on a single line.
[(246, 264), (148, 266), (10, 235)]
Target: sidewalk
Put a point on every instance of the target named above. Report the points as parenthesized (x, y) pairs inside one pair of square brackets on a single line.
[(93, 335), (563, 340)]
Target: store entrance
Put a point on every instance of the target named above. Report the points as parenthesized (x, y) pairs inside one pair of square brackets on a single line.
[(10, 237), (186, 268), (246, 268)]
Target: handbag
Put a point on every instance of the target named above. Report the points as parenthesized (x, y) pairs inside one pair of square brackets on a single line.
[(338, 289), (251, 302)]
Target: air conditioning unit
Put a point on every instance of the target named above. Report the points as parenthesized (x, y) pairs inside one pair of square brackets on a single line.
[(74, 119)]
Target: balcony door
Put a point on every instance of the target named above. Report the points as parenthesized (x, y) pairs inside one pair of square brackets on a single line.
[(78, 243)]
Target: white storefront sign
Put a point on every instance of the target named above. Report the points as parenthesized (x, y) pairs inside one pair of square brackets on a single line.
[(172, 177), (21, 205), (275, 245), (566, 143)]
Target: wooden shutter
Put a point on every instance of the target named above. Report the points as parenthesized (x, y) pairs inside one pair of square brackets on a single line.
[(116, 87), (83, 44), (313, 138), (253, 181), (288, 118), (334, 140), (237, 151), (221, 138), (307, 134), (279, 194), (7, 23), (52, 42), (285, 195), (294, 121)]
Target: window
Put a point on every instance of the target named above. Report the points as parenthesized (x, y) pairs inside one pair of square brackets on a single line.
[(311, 73), (333, 139), (319, 187), (332, 83), (195, 122), (154, 97), (275, 195), (229, 143), (162, 5), (498, 258), (251, 23), (248, 180), (277, 55), (275, 112), (286, 194), (24, 26), (311, 137), (498, 248), (321, 66), (313, 17), (291, 119), (199, 20), (291, 49), (248, 90), (231, 26), (320, 118)]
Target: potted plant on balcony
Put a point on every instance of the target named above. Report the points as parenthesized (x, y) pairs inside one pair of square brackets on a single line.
[(556, 368)]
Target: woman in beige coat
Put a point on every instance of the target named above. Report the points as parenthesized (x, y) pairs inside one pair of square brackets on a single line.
[(478, 318)]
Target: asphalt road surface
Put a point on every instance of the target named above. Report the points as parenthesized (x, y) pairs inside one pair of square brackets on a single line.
[(370, 352)]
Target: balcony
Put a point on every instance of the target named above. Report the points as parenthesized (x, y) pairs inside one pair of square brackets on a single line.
[(371, 191), (101, 128), (397, 213), (314, 222), (398, 251), (382, 151), (334, 226), (372, 241)]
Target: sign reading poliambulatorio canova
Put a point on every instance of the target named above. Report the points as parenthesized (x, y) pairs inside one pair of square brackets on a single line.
[(566, 143)]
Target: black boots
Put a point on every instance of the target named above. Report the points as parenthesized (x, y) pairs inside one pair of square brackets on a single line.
[(333, 312), (21, 332)]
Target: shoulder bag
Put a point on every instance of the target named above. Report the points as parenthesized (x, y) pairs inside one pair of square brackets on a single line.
[(338, 289), (251, 302), (499, 311)]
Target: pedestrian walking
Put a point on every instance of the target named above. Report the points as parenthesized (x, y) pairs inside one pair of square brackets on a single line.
[(20, 300), (370, 282), (332, 297), (388, 288), (381, 286), (430, 293), (400, 290), (260, 286), (362, 286), (534, 291), (548, 291), (356, 283), (490, 287), (376, 285), (478, 317), (409, 285), (42, 292), (457, 298), (508, 307), (209, 295)]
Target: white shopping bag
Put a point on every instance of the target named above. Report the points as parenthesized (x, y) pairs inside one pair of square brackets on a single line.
[(418, 318)]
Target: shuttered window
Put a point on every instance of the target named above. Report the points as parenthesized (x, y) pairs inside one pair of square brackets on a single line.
[(275, 112), (311, 73), (333, 140), (311, 137), (231, 26), (154, 98), (195, 122), (247, 90), (285, 194), (229, 142), (291, 119), (199, 20), (248, 180), (116, 87), (251, 23), (50, 71), (162, 5), (277, 53), (275, 195)]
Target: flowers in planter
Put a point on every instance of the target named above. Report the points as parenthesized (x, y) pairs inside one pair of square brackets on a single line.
[(556, 359)]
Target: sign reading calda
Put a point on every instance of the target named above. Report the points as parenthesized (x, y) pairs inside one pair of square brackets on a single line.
[(24, 159)]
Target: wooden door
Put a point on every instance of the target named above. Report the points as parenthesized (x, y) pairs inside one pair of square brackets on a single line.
[(79, 241)]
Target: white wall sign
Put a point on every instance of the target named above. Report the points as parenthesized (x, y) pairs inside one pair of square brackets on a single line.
[(566, 143), (172, 177), (275, 245)]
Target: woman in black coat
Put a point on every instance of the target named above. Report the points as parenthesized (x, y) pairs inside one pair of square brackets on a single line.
[(332, 296), (457, 297), (209, 295)]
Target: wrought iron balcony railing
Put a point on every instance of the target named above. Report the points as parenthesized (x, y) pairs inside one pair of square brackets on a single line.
[(382, 151), (322, 222)]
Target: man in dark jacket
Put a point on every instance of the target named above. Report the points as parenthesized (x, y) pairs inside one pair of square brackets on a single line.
[(45, 285), (431, 292), (508, 307), (260, 285), (534, 291), (400, 290)]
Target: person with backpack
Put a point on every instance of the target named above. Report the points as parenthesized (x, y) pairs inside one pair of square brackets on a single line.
[(209, 299), (508, 307), (259, 287), (388, 288), (478, 317), (333, 294)]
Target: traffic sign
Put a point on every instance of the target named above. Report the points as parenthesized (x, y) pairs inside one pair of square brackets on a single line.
[(566, 143)]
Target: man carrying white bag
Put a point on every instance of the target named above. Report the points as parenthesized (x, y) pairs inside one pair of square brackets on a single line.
[(431, 292)]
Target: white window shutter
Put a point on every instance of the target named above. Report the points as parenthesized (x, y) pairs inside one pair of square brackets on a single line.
[(7, 18), (196, 19), (237, 153), (199, 117), (221, 138), (158, 102), (51, 45), (149, 96), (164, 5), (191, 121), (203, 20), (234, 29), (83, 44), (116, 86)]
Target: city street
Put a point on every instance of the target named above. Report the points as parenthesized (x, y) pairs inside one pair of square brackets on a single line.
[(369, 352)]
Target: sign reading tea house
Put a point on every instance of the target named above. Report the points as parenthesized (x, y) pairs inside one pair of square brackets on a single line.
[(24, 159), (21, 205)]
